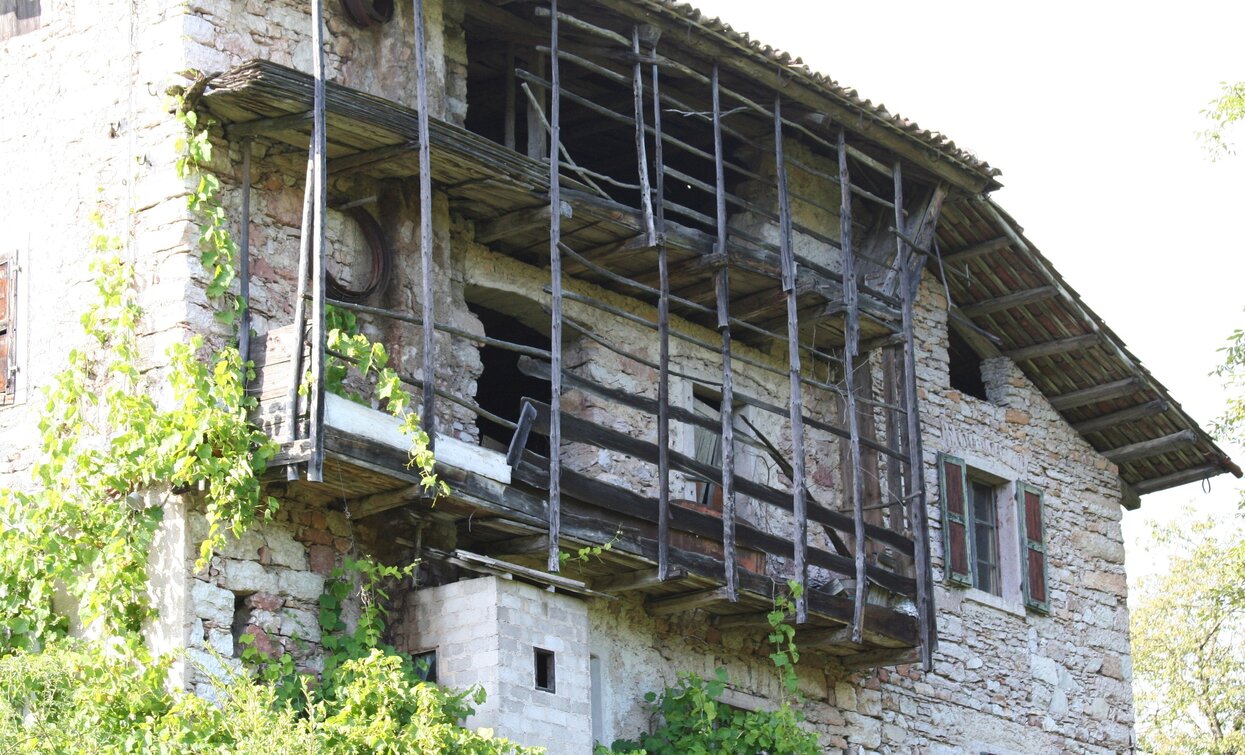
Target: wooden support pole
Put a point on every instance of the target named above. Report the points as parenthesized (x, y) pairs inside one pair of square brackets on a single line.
[(1131, 414), (663, 333), (641, 149), (1152, 447), (244, 265), (1051, 348), (926, 616), (1178, 478), (315, 466), (1094, 394), (726, 410), (850, 298), (555, 271), (508, 131), (300, 304), (796, 414), (427, 416)]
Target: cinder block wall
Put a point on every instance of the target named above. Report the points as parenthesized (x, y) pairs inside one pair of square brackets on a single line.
[(486, 631)]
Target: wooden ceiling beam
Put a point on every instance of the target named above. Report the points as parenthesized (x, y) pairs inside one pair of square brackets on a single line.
[(1131, 414), (1010, 301), (1175, 479), (976, 250), (686, 602), (1097, 393), (1051, 348), (1152, 447)]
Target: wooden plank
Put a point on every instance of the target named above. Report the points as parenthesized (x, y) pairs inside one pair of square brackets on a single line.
[(427, 415), (1052, 348), (1155, 484), (261, 126), (540, 577), (641, 579), (795, 388), (377, 503), (519, 221), (1010, 301), (722, 296), (1131, 414), (555, 272), (1152, 447), (876, 658), (961, 256), (315, 465), (909, 287), (582, 431), (1095, 394), (853, 420)]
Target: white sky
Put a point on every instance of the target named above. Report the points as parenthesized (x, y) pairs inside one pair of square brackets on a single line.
[(1091, 110)]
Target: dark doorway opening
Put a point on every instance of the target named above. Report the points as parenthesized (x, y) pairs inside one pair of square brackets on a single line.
[(965, 367), (502, 387)]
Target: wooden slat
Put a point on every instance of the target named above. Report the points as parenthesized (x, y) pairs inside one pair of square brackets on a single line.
[(853, 419), (319, 270), (1097, 393), (1132, 414), (1010, 301), (977, 250), (555, 271), (1051, 348), (1152, 447)]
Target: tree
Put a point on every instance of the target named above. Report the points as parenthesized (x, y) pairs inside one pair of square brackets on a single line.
[(1225, 110), (1188, 633)]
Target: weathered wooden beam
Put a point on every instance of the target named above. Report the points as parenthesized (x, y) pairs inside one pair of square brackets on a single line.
[(686, 602), (1152, 447), (555, 272), (1097, 393), (315, 465), (300, 310), (376, 503), (663, 323), (855, 467), (519, 221), (261, 126), (641, 579), (1131, 414), (1051, 348), (909, 286), (1175, 479), (976, 250), (1010, 301), (877, 658), (523, 428), (516, 546)]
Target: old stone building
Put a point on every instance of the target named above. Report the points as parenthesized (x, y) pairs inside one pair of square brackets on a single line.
[(746, 328)]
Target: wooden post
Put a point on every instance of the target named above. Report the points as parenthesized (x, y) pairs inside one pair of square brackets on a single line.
[(509, 139), (244, 263), (300, 304), (315, 466), (641, 149), (793, 368), (427, 416), (536, 146), (916, 466), (722, 286), (850, 296), (663, 324), (555, 327)]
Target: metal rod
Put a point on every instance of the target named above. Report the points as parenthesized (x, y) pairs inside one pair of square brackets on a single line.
[(853, 419), (244, 265), (726, 410), (427, 416), (916, 471), (555, 270), (315, 465), (800, 509)]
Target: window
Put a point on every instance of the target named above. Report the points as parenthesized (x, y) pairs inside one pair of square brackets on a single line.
[(544, 670), (8, 360), (426, 666), (965, 366), (708, 449), (988, 544)]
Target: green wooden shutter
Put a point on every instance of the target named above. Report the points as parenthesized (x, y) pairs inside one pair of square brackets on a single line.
[(957, 557), (1033, 546)]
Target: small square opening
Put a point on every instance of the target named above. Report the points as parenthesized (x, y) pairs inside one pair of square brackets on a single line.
[(544, 665), (426, 666)]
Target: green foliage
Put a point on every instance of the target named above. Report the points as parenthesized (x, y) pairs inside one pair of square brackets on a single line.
[(694, 721), (371, 360), (1188, 638), (1224, 111), (589, 552), (79, 698), (107, 435)]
